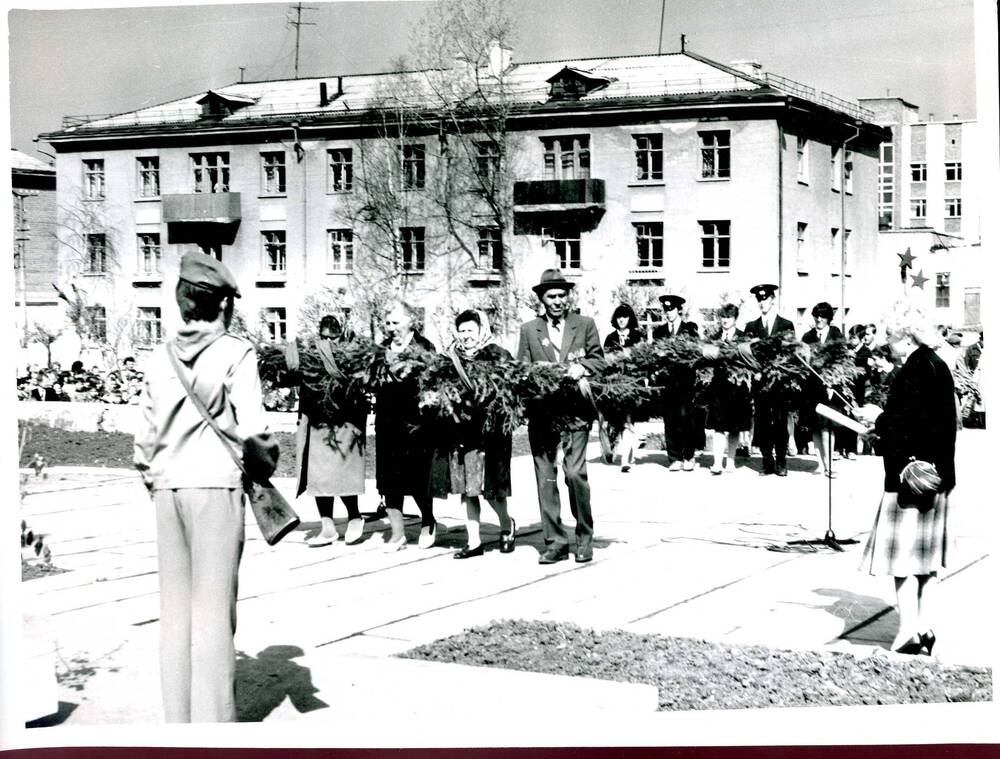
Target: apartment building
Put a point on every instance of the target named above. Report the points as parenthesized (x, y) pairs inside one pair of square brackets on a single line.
[(929, 191), (33, 186), (655, 172)]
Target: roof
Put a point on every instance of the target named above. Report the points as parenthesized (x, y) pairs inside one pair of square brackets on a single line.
[(526, 84), (26, 163)]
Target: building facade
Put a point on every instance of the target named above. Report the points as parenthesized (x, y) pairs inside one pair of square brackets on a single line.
[(930, 186), (636, 175), (33, 185)]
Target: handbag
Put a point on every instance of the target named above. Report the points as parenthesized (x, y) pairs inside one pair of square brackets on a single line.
[(919, 483), (275, 516)]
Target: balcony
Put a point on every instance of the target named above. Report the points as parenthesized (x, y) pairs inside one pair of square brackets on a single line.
[(549, 202), (202, 207)]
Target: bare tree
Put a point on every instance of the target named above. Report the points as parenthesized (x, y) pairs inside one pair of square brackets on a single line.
[(109, 333), (43, 335)]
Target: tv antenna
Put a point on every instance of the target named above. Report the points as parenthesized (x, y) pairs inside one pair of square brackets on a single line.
[(298, 23)]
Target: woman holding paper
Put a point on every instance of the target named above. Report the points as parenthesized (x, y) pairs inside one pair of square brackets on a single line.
[(909, 537)]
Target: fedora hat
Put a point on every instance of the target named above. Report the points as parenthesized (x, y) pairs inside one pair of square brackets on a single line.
[(552, 278)]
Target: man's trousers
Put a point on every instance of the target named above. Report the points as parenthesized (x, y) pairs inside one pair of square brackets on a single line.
[(544, 444), (200, 541)]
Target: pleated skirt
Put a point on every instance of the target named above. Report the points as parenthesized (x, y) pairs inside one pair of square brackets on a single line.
[(906, 541)]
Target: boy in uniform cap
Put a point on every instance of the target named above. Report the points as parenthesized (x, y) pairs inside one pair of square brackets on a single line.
[(770, 415), (563, 337), (682, 431), (197, 489)]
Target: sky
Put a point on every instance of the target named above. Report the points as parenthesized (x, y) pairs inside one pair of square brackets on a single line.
[(98, 61)]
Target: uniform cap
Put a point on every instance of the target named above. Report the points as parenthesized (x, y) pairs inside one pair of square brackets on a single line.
[(204, 271), (763, 291), (672, 301)]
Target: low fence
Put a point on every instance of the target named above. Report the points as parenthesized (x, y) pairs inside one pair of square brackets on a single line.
[(108, 417)]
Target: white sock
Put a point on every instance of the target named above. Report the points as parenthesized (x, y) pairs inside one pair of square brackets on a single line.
[(329, 529), (473, 529)]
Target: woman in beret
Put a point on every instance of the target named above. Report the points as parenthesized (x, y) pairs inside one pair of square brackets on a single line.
[(909, 539)]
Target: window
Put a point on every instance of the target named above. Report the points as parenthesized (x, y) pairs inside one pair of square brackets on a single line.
[(886, 186), (96, 319), (942, 290), (341, 250), (97, 254), (802, 159), (566, 241), (715, 154), (213, 249), (487, 162), (490, 249), (411, 240), (149, 254), (341, 170), (649, 245), (274, 250), (567, 157), (149, 326), (714, 244), (800, 245), (93, 179), (273, 173), (648, 156), (835, 168), (414, 167), (849, 171), (275, 323), (211, 172), (918, 172), (918, 208), (953, 171), (953, 208), (149, 177)]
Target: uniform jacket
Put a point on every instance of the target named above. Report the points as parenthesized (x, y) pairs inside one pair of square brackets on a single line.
[(174, 446), (738, 334), (781, 326), (684, 329), (919, 418), (812, 336), (613, 342)]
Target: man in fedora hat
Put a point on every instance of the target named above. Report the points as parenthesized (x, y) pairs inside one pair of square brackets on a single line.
[(561, 336), (197, 489), (682, 430), (770, 425)]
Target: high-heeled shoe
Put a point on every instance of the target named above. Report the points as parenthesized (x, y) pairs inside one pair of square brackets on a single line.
[(928, 639), (428, 536), (913, 646), (391, 546), (507, 539)]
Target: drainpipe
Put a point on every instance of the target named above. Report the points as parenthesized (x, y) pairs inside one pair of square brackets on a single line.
[(781, 209), (843, 226)]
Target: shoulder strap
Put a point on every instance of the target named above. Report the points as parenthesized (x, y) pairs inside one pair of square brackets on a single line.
[(198, 404), (457, 362)]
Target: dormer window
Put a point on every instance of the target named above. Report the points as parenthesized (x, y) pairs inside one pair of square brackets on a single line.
[(573, 84), (216, 105)]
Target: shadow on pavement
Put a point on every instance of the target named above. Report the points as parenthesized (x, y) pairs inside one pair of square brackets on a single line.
[(265, 681), (66, 708), (859, 613)]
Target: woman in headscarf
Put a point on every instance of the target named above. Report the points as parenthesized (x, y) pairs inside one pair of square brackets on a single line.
[(480, 457), (909, 539), (405, 460), (330, 449), (626, 334)]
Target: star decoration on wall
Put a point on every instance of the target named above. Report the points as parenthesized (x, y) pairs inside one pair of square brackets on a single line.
[(906, 259), (918, 279)]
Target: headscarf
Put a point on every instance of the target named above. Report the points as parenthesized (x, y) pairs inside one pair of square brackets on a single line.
[(485, 338)]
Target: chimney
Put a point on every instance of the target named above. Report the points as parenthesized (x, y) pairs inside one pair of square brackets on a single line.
[(955, 116), (340, 86), (750, 68), (323, 99), (500, 59), (930, 116)]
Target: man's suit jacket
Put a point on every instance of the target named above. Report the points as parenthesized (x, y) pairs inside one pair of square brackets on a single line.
[(581, 344), (755, 328), (683, 329), (832, 334)]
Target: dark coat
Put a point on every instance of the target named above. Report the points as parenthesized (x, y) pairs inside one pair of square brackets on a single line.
[(684, 329), (811, 337), (613, 342), (919, 419), (755, 328), (729, 405), (404, 445)]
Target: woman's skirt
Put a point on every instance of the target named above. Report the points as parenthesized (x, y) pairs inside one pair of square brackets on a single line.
[(482, 471), (906, 541), (331, 460)]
